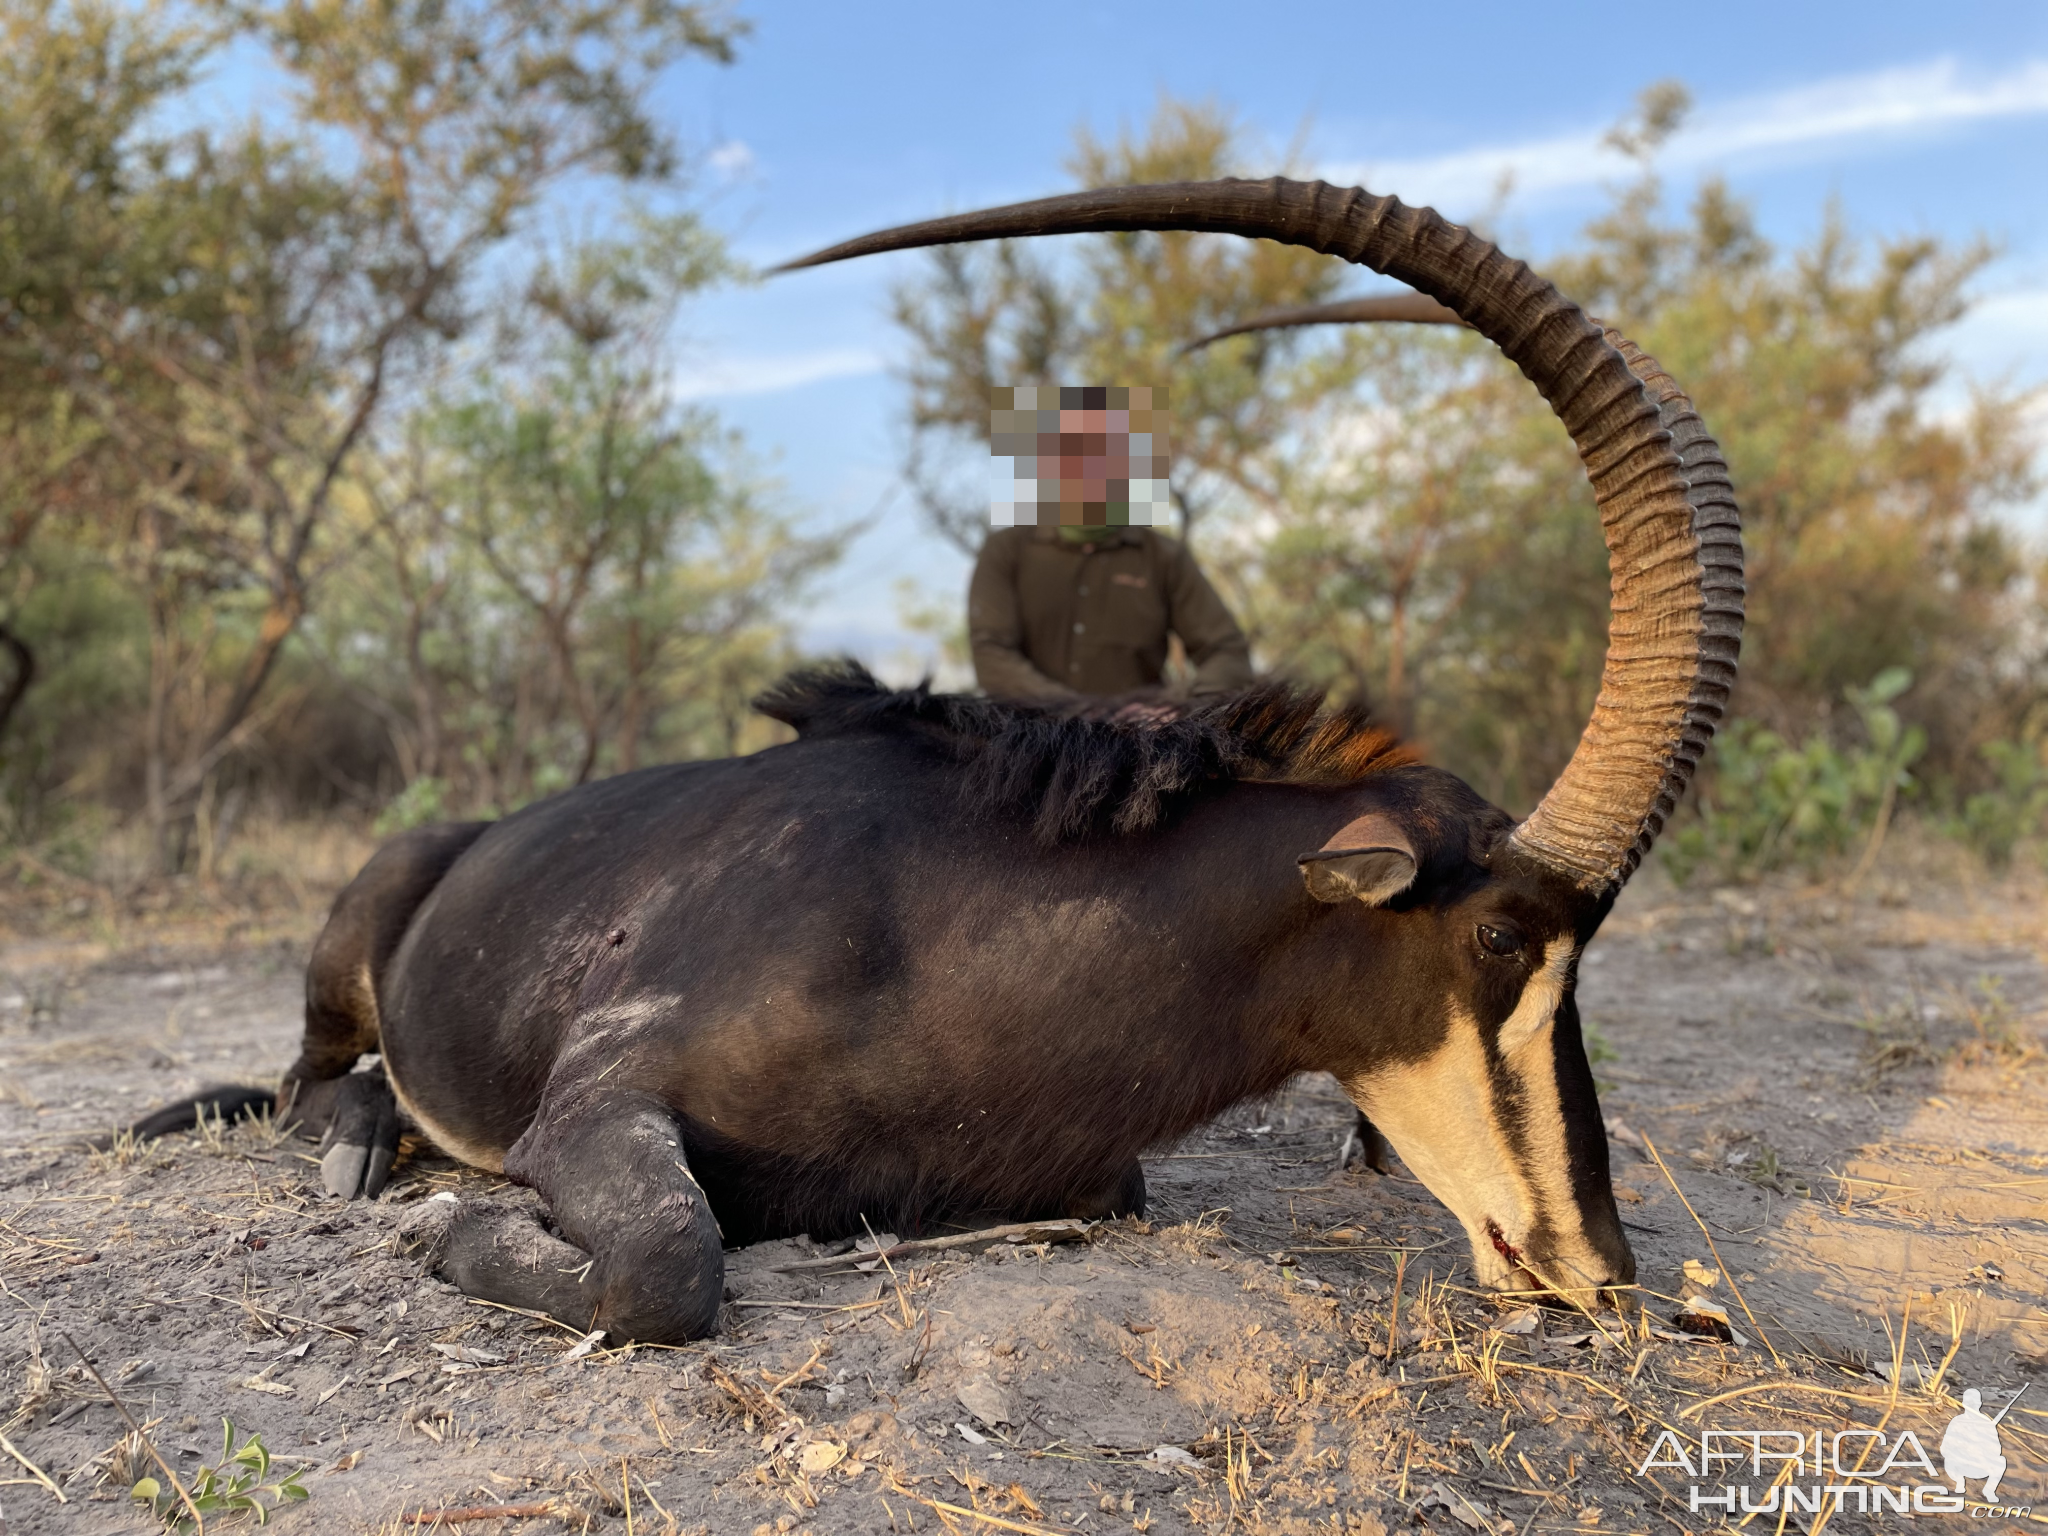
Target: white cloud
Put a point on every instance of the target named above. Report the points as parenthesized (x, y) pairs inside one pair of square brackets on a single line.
[(731, 376), (732, 161), (1911, 99)]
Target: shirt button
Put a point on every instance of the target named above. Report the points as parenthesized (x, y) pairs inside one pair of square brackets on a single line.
[(1078, 628), (1084, 591), (1074, 666)]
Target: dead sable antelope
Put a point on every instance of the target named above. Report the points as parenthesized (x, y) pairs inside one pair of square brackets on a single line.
[(941, 960)]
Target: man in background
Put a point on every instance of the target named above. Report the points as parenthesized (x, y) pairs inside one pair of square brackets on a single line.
[(1076, 592)]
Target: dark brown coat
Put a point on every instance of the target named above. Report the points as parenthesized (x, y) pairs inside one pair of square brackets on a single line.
[(1050, 619)]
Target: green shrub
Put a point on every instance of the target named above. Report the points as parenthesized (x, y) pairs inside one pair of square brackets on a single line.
[(237, 1486), (1996, 820), (425, 799), (1773, 802)]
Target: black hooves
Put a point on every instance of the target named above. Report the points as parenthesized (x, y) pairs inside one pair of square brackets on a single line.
[(361, 1141)]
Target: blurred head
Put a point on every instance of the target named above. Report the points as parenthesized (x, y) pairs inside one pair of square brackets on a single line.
[(1081, 456)]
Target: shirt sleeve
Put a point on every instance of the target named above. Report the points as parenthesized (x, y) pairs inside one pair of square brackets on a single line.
[(1217, 647), (995, 629)]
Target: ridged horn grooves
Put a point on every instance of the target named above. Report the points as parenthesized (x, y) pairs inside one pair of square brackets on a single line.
[(1408, 308), (1673, 632)]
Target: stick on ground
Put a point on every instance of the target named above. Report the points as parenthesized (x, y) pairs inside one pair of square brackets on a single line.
[(149, 1445)]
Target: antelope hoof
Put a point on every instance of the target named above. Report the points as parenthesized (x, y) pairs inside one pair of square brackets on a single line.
[(362, 1137)]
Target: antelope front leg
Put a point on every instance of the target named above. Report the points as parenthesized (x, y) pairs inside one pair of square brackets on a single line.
[(610, 1167)]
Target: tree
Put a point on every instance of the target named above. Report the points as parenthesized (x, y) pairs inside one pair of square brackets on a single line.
[(569, 553), (276, 291)]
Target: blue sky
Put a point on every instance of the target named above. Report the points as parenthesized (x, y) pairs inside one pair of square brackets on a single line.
[(842, 118)]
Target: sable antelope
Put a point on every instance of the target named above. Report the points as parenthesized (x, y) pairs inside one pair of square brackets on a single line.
[(941, 959)]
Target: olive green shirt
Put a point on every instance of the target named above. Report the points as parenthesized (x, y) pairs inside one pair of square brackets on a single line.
[(1051, 619)]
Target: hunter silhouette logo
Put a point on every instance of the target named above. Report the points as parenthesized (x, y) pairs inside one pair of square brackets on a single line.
[(1969, 1446)]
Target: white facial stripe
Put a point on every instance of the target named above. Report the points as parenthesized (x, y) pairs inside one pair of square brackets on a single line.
[(1540, 996), (1440, 1115), (1528, 1045)]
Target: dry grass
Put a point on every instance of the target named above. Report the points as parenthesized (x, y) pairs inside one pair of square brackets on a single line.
[(98, 886)]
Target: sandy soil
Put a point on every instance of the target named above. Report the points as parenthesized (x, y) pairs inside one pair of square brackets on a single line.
[(1850, 1096)]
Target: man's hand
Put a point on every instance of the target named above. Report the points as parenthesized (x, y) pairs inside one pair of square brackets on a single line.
[(1142, 708), (1145, 714)]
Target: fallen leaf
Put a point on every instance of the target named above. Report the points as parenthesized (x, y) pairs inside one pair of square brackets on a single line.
[(1706, 1318), (324, 1396), (1468, 1514), (1701, 1275), (346, 1463), (970, 1436), (986, 1401), (584, 1345), (466, 1355), (1524, 1321), (258, 1384), (820, 1456)]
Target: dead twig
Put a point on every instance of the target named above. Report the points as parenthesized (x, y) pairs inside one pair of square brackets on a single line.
[(941, 1508), (1693, 1409), (149, 1445), (34, 1471), (469, 1512), (1064, 1230)]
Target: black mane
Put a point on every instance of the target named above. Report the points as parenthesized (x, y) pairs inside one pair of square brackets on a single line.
[(1075, 774)]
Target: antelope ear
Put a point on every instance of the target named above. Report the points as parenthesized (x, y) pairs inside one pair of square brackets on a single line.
[(1369, 860)]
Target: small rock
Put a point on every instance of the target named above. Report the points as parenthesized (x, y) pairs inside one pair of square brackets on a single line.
[(986, 1401)]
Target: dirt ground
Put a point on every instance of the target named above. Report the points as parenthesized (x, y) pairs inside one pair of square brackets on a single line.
[(1850, 1095)]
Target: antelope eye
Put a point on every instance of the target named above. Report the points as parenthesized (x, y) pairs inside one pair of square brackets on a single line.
[(1499, 941)]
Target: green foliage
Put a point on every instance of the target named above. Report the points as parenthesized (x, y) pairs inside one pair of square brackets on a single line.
[(205, 333), (1773, 802), (307, 426), (238, 1485), (423, 800), (1995, 821)]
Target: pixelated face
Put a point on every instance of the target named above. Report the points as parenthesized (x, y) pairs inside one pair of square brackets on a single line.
[(1087, 456)]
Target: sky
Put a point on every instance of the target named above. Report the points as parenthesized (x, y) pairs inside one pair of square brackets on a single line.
[(838, 119)]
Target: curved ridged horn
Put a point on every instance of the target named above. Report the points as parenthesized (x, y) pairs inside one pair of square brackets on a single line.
[(1666, 511), (1409, 308)]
